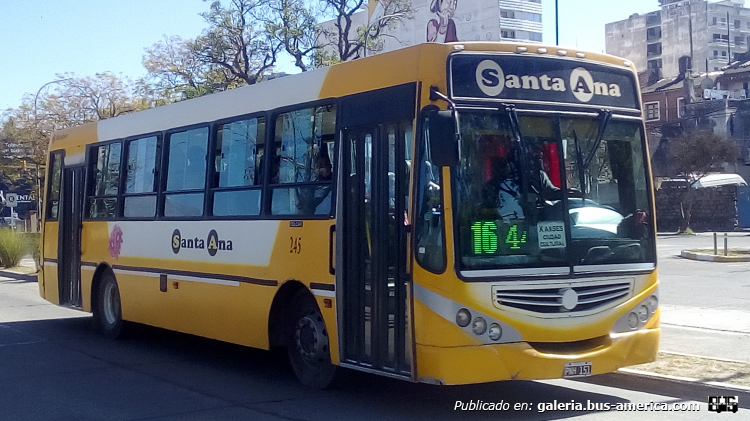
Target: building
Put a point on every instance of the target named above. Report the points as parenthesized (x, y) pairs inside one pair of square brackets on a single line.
[(709, 32), (476, 20)]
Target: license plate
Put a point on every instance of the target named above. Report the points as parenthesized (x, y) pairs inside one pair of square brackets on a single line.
[(578, 369)]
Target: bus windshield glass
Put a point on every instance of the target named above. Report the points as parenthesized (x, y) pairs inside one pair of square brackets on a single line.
[(550, 192)]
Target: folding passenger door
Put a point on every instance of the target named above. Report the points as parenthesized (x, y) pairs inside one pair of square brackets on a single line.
[(69, 236), (377, 132)]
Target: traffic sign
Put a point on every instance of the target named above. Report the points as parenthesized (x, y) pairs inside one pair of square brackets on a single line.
[(11, 199)]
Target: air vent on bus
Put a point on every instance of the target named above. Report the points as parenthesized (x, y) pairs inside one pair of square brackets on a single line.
[(569, 298)]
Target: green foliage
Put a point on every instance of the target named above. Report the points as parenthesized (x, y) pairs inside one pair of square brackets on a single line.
[(694, 155), (13, 247), (699, 152)]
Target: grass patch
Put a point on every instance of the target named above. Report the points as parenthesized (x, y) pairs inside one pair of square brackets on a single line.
[(704, 369), (720, 250), (14, 246)]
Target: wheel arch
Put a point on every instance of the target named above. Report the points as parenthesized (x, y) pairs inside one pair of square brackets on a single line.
[(101, 269), (277, 318)]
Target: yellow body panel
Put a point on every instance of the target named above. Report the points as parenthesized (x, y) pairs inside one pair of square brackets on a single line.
[(519, 361)]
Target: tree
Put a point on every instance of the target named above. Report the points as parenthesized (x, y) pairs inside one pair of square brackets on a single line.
[(291, 25), (350, 41), (693, 155), (236, 42), (66, 102)]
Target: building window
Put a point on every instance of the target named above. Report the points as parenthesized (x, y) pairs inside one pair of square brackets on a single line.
[(680, 107), (186, 173), (534, 17), (535, 36), (737, 24), (739, 41), (716, 53), (714, 20), (653, 34), (653, 18), (723, 53), (105, 181), (509, 14), (652, 111), (505, 33), (653, 49), (654, 64)]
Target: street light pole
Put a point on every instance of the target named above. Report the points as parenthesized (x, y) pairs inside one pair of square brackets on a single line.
[(557, 26), (36, 98)]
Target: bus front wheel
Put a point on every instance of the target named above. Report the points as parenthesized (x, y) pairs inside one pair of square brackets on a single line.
[(307, 344), (108, 311)]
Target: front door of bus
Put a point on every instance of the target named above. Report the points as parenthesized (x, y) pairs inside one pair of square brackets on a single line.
[(69, 237), (374, 278)]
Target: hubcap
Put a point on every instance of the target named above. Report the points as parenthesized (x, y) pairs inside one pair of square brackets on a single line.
[(111, 304), (311, 338)]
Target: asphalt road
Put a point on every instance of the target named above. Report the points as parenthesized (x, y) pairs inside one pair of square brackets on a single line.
[(705, 305), (54, 365)]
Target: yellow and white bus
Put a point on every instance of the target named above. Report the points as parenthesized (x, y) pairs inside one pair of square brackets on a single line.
[(445, 213)]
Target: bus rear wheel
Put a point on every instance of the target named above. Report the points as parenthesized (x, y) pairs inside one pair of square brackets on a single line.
[(108, 310), (307, 344)]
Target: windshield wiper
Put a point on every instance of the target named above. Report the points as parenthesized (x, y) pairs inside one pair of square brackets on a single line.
[(604, 117), (581, 168)]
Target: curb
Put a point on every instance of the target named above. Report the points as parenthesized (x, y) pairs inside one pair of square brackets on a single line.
[(660, 384), (26, 277), (713, 258)]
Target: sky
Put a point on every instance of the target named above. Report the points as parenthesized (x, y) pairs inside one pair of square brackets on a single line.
[(40, 39)]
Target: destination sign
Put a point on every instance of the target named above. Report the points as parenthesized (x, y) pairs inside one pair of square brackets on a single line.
[(547, 79)]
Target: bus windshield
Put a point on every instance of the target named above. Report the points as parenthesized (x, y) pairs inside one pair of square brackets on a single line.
[(536, 191)]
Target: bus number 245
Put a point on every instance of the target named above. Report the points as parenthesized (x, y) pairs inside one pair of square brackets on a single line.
[(296, 245)]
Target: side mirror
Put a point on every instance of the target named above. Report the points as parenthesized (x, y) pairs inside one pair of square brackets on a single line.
[(444, 138)]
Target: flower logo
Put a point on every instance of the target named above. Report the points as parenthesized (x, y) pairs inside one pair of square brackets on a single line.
[(115, 241)]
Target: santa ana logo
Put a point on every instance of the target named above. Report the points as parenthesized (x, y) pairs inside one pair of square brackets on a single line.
[(492, 81), (215, 244)]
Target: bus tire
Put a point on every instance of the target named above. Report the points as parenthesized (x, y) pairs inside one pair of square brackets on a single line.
[(307, 344), (108, 309)]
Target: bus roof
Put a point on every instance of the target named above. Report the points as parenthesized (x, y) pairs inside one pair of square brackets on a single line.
[(414, 63)]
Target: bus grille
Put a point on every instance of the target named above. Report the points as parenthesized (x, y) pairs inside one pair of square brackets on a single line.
[(548, 299)]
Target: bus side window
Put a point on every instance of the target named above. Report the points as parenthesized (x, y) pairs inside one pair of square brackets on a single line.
[(301, 170), (186, 173), (53, 193), (105, 181), (237, 177), (429, 218)]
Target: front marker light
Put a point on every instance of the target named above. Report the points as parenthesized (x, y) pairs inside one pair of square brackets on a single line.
[(633, 320), (495, 332), (653, 302), (463, 317), (479, 326), (642, 313)]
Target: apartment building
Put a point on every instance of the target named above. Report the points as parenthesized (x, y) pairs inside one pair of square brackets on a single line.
[(709, 32)]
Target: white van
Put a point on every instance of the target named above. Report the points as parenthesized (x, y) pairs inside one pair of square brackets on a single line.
[(709, 180)]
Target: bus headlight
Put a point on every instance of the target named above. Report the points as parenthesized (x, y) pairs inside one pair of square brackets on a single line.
[(463, 317), (495, 332), (479, 326), (642, 313), (653, 302), (633, 320)]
